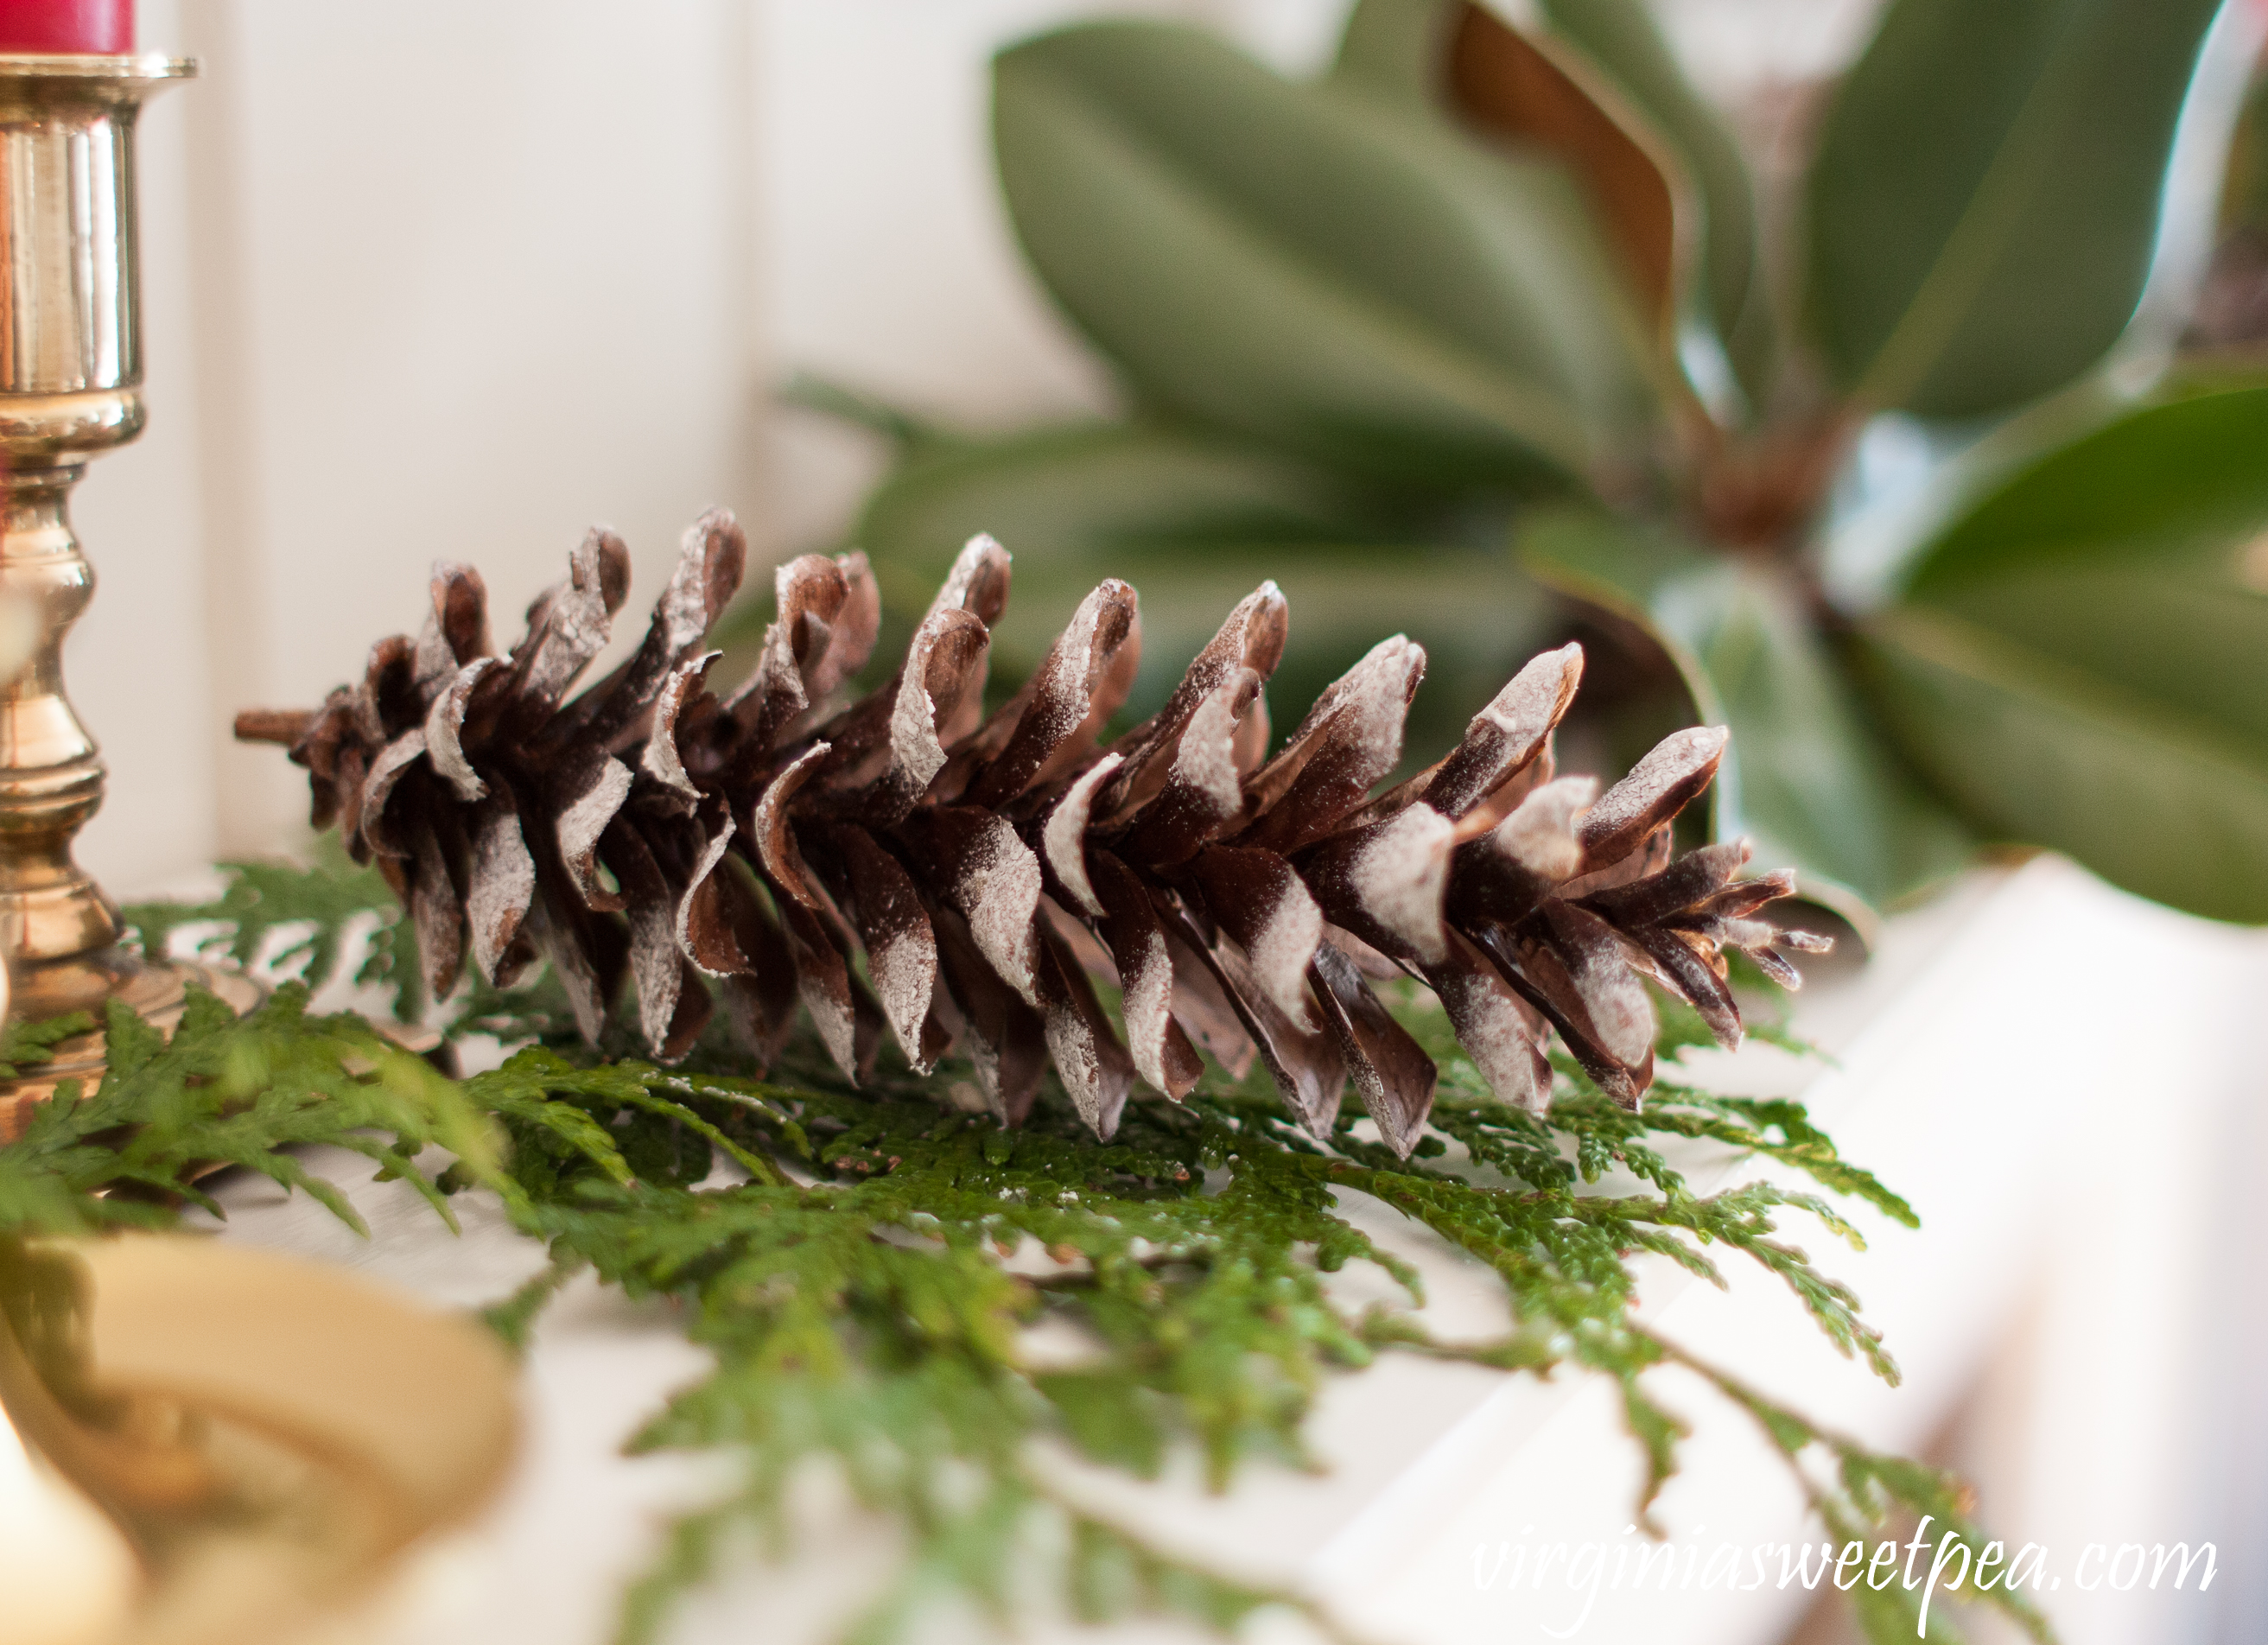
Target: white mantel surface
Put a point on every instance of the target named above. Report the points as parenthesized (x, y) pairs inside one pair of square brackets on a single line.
[(2047, 1069)]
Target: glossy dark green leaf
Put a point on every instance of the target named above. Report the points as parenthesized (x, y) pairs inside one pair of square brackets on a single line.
[(1401, 48), (2104, 612), (1078, 489), (1073, 488), (1196, 525), (2136, 554), (1622, 38), (2184, 468), (1192, 514), (1807, 778), (1397, 47), (1326, 272), (2038, 752), (1986, 192)]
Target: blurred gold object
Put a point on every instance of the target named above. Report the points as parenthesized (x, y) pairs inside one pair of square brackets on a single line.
[(69, 1576), (70, 387), (217, 1446)]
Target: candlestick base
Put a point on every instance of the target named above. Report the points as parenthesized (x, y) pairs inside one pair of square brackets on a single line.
[(155, 991)]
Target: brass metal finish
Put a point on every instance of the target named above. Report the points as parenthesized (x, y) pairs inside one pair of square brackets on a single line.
[(203, 1445), (70, 389)]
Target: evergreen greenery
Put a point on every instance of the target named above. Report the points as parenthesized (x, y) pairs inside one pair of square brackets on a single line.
[(841, 1253)]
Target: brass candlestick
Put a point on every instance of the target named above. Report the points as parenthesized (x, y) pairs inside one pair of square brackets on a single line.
[(70, 387)]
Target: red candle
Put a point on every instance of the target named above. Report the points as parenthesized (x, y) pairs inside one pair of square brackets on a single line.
[(51, 26)]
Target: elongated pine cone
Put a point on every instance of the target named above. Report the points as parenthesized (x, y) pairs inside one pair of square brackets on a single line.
[(986, 864)]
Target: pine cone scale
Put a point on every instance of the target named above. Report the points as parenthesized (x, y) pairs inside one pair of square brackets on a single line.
[(1141, 955), (503, 885), (894, 929), (1268, 910)]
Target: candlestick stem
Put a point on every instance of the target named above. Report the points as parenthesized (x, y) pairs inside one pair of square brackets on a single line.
[(51, 776)]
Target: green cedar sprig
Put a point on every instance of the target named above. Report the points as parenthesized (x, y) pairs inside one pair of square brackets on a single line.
[(224, 1092), (843, 1257)]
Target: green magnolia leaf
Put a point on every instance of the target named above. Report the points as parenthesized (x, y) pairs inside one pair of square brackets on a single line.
[(1397, 47), (1985, 196), (2136, 554), (1086, 487), (1622, 38), (2036, 751), (1321, 269), (2107, 609), (1078, 490), (1805, 777), (1400, 47), (1196, 525)]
